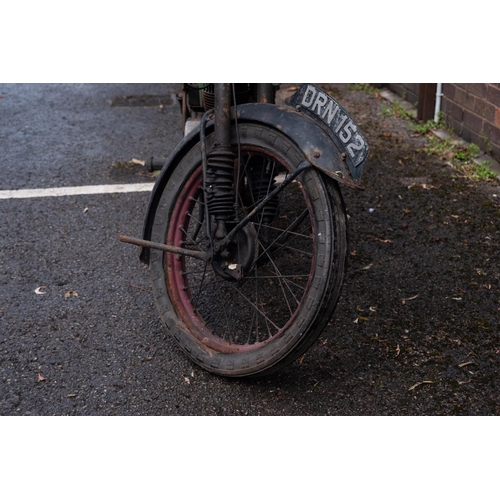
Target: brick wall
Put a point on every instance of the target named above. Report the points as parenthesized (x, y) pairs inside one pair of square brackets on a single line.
[(473, 111), (407, 91)]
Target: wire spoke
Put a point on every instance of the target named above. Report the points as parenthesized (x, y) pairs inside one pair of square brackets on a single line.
[(280, 281), (201, 285), (253, 305), (278, 244)]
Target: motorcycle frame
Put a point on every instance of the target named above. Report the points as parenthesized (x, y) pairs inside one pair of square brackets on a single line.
[(306, 131)]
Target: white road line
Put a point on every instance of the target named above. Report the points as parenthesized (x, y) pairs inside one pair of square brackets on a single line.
[(76, 190)]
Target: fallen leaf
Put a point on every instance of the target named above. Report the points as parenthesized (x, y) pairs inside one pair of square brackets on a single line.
[(186, 379), (383, 241), (467, 363), (39, 291), (360, 318), (409, 298), (40, 377), (398, 350), (420, 383), (70, 293), (366, 267)]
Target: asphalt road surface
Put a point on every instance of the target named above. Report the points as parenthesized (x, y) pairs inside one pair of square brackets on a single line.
[(80, 334), (415, 332)]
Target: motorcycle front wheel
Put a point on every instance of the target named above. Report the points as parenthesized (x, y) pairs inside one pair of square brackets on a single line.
[(291, 260)]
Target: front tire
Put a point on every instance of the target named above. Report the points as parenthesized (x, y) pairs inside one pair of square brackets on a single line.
[(293, 252)]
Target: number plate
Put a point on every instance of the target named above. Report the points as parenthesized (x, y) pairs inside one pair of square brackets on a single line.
[(343, 130)]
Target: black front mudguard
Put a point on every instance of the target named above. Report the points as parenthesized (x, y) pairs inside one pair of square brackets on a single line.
[(307, 132)]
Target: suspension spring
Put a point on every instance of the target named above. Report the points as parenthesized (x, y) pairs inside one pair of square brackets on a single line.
[(220, 183)]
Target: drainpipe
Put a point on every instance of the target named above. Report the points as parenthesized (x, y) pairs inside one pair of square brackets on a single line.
[(439, 94)]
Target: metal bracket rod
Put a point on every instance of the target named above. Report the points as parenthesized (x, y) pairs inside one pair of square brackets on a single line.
[(167, 248)]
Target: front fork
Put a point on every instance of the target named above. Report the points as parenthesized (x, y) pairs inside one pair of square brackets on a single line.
[(220, 192), (220, 189)]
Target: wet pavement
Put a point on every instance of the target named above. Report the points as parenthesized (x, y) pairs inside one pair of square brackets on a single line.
[(416, 331)]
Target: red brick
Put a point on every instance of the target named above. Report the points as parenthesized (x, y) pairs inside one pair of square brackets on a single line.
[(449, 91), (473, 122), (476, 139), (452, 110), (492, 133), (464, 99), (485, 110), (497, 117), (408, 91), (478, 89), (493, 95), (462, 131)]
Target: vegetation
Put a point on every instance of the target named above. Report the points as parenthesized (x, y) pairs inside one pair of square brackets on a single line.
[(459, 156), (395, 109), (365, 87)]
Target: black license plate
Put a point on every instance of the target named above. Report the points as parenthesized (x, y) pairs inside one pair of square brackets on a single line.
[(342, 127)]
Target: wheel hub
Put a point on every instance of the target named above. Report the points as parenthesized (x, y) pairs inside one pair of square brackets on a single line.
[(234, 260)]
